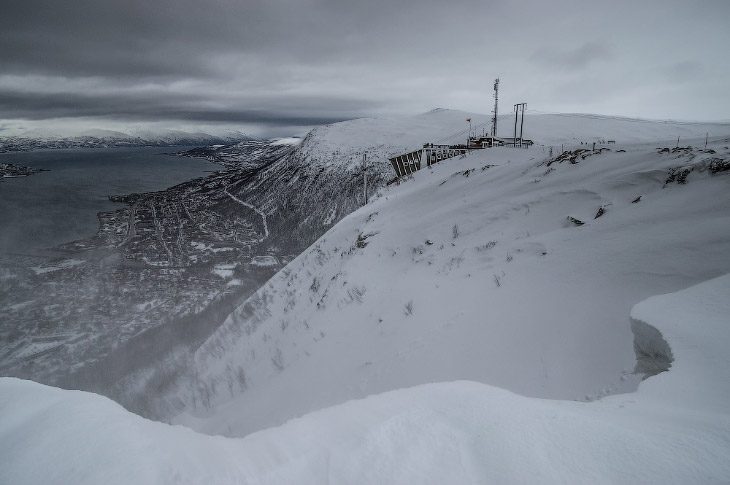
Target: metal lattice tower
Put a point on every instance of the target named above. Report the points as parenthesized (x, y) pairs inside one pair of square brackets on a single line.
[(494, 113)]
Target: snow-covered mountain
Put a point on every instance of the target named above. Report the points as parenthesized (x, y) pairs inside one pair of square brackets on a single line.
[(344, 143), (477, 269), (532, 277), (308, 189)]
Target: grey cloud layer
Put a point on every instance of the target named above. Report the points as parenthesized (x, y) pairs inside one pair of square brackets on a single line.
[(305, 62), (278, 111)]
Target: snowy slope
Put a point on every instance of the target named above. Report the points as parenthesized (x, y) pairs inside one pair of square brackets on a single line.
[(471, 270), (571, 129), (674, 429), (343, 143)]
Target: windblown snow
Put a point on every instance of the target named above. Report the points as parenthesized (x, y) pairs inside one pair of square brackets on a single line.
[(490, 319)]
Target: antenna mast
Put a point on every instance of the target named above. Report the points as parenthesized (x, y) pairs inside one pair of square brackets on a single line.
[(494, 116)]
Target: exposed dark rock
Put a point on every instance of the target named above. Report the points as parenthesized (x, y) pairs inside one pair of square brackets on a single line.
[(718, 165), (653, 354), (575, 221), (361, 240), (572, 156), (679, 175)]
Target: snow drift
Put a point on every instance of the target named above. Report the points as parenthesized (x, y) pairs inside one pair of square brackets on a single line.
[(674, 429)]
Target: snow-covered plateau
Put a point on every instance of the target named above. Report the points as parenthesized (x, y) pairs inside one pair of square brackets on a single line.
[(503, 317)]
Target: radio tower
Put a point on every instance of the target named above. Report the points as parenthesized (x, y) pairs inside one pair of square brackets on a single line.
[(494, 113)]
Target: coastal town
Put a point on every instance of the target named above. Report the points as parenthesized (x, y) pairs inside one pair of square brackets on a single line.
[(170, 256), (8, 170)]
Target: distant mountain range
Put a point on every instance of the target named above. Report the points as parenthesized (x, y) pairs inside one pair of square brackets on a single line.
[(107, 138)]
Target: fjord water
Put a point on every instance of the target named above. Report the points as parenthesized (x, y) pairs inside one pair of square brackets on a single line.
[(49, 208)]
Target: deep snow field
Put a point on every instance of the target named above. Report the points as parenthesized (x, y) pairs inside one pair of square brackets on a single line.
[(463, 327)]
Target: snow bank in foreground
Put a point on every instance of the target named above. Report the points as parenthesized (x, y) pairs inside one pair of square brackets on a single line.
[(674, 429)]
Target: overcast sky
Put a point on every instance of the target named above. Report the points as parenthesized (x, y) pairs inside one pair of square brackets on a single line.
[(275, 67)]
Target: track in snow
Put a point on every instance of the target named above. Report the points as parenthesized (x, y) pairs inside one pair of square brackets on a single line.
[(259, 212)]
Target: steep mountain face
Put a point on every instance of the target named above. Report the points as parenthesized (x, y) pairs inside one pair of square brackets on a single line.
[(288, 195), (506, 267), (162, 273)]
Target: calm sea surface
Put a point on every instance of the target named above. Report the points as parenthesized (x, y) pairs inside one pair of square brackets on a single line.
[(50, 208)]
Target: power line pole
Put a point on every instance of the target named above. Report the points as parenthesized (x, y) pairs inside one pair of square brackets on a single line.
[(514, 140), (365, 176)]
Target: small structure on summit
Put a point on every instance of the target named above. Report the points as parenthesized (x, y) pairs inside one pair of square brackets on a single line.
[(407, 163)]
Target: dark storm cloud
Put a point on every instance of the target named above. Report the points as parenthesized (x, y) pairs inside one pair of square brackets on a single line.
[(153, 107), (89, 38), (306, 62), (236, 51), (174, 37)]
